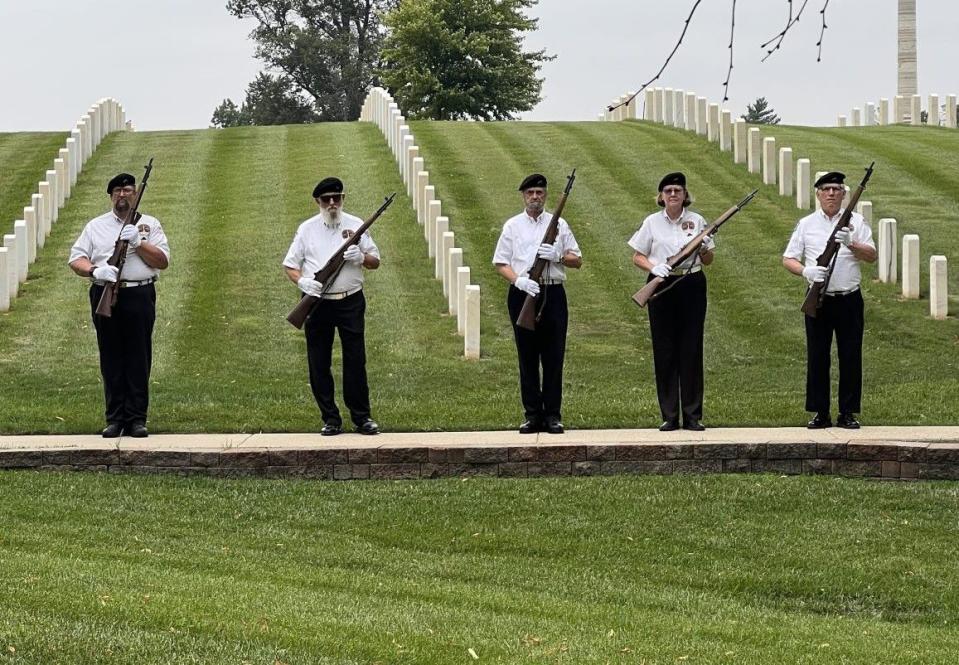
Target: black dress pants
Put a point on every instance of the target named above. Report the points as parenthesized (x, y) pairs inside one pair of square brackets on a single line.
[(348, 317), (546, 347), (677, 318), (842, 315), (125, 340)]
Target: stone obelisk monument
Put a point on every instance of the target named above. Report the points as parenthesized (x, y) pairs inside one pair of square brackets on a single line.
[(908, 75)]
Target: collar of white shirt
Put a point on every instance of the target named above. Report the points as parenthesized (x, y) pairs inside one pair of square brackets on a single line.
[(535, 220), (829, 219), (674, 221)]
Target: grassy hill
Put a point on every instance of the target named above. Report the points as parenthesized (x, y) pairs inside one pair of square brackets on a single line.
[(24, 160), (226, 360)]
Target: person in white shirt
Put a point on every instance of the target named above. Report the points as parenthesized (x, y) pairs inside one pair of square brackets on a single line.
[(519, 246), (677, 314), (842, 306), (125, 339), (342, 306)]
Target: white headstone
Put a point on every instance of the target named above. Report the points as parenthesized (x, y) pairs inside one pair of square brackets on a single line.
[(447, 240), (471, 344), (888, 251), (769, 160), (754, 151), (415, 168), (712, 123), (857, 117), (669, 114), (73, 145), (428, 196), (883, 111), (454, 261), (951, 111), (679, 102), (910, 266), (690, 111), (841, 122), (915, 110), (870, 118), (4, 281), (701, 116), (803, 184), (434, 212), (864, 208), (405, 158), (23, 249), (410, 176), (462, 281), (63, 178), (898, 109), (938, 288), (30, 228), (739, 142), (12, 276), (726, 131), (422, 181), (442, 226), (785, 171), (933, 119), (631, 106), (649, 101)]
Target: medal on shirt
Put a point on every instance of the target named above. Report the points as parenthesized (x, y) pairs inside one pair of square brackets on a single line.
[(347, 233)]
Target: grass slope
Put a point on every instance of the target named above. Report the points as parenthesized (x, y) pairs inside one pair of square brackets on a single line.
[(225, 359), (25, 158), (739, 569)]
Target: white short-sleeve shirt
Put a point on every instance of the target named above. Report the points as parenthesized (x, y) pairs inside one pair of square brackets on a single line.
[(809, 240), (521, 237), (660, 237), (315, 243), (99, 238)]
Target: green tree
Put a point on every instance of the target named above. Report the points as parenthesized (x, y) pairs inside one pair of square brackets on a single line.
[(270, 100), (456, 59), (323, 51), (760, 113)]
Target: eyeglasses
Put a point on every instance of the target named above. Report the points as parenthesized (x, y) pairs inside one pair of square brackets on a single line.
[(330, 198), (832, 189), (670, 191), (124, 190)]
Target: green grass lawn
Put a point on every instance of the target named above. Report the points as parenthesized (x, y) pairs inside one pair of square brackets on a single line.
[(25, 158), (731, 569), (230, 200)]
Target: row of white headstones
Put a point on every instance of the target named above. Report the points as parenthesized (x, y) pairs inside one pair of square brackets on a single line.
[(905, 110), (684, 110), (29, 235), (463, 298)]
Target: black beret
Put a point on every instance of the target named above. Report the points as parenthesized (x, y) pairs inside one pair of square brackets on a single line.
[(120, 180), (328, 186), (831, 178), (673, 179), (534, 180)]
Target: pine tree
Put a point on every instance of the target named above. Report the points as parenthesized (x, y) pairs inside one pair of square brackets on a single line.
[(760, 113)]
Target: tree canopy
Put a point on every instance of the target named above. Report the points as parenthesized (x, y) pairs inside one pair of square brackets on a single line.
[(321, 58), (456, 59)]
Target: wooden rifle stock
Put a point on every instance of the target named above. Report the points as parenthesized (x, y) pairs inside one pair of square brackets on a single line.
[(813, 300), (108, 298), (327, 274), (648, 292), (528, 316)]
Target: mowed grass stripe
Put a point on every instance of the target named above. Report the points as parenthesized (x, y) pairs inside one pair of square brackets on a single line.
[(25, 158), (520, 571)]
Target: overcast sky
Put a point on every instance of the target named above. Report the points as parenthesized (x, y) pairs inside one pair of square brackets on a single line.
[(171, 62)]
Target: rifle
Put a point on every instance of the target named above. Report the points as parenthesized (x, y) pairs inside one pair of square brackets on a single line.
[(530, 314), (813, 301), (328, 273), (648, 292), (119, 257)]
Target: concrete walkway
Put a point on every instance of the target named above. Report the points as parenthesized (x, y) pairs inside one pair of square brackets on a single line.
[(268, 441)]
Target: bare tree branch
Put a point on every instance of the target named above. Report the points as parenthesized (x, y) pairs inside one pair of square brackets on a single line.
[(790, 22), (822, 32), (729, 72), (665, 64)]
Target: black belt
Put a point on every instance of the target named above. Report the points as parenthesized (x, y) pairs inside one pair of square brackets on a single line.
[(126, 284), (839, 294)]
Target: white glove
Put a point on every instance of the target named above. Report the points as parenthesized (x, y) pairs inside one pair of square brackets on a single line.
[(106, 273), (353, 254), (815, 273), (708, 244), (525, 284), (549, 252), (661, 270), (844, 236), (130, 234), (310, 286)]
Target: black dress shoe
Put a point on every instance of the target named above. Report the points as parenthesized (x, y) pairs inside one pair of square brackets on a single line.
[(821, 421), (368, 426), (112, 431), (553, 426), (531, 426), (138, 431), (331, 429), (669, 426), (847, 421), (694, 425)]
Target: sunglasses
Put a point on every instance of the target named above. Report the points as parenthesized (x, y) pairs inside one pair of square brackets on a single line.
[(670, 191), (330, 198)]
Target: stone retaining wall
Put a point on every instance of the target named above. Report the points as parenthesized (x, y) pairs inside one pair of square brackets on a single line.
[(907, 460)]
